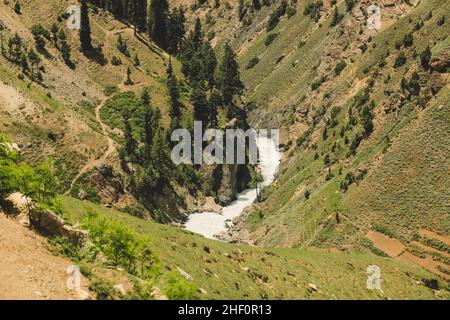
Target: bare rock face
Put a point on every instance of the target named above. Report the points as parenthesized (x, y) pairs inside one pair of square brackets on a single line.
[(440, 62), (51, 224), (228, 189)]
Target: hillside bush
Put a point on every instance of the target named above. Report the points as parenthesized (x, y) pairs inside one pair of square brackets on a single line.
[(178, 288)]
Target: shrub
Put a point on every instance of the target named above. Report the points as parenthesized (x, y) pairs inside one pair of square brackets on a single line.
[(339, 67), (337, 17), (408, 40), (313, 10), (253, 62), (116, 61), (400, 60), (17, 8), (104, 289), (178, 288), (270, 38), (291, 11), (307, 194), (110, 90), (122, 246), (349, 4)]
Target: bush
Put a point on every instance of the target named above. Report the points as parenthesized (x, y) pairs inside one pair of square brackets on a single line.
[(408, 40), (104, 289), (17, 8), (110, 90), (116, 61), (337, 17), (339, 67), (270, 38), (178, 288), (313, 10), (291, 11), (253, 62), (400, 60), (122, 246)]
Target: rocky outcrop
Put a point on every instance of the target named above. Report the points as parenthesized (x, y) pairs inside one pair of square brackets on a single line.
[(45, 221), (440, 62), (230, 184), (19, 206), (50, 224), (228, 188)]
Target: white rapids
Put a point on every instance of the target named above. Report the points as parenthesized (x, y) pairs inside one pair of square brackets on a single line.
[(209, 224)]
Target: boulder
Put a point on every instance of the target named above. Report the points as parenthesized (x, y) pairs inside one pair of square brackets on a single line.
[(184, 274), (49, 223), (120, 289), (76, 236), (19, 205)]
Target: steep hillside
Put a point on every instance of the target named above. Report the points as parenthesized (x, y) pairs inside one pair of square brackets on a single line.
[(226, 271), (364, 144), (68, 115), (364, 116), (367, 114)]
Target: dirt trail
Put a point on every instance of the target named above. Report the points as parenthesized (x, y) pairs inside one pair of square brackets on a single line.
[(100, 160), (111, 144), (28, 270)]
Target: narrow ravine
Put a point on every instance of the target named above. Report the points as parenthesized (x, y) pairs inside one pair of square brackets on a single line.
[(210, 224)]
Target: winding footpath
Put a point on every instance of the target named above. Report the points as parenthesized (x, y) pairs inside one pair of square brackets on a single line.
[(109, 150)]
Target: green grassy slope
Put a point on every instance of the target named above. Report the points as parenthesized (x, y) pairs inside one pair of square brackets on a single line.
[(241, 272)]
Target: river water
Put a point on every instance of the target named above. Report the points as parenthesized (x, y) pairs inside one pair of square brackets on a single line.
[(209, 224)]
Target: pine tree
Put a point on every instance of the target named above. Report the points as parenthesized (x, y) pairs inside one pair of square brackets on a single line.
[(138, 14), (128, 81), (157, 22), (54, 30), (85, 31), (150, 122), (2, 28), (425, 58), (197, 36), (256, 4), (65, 52), (200, 103), (24, 64), (214, 102), (209, 63), (130, 142), (176, 30), (172, 86), (229, 81), (160, 157), (35, 62), (15, 45)]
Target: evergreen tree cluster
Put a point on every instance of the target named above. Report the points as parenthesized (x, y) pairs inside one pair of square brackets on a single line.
[(28, 59), (163, 25), (214, 83), (145, 144)]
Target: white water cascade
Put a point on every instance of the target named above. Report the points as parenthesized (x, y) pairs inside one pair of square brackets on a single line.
[(209, 224)]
